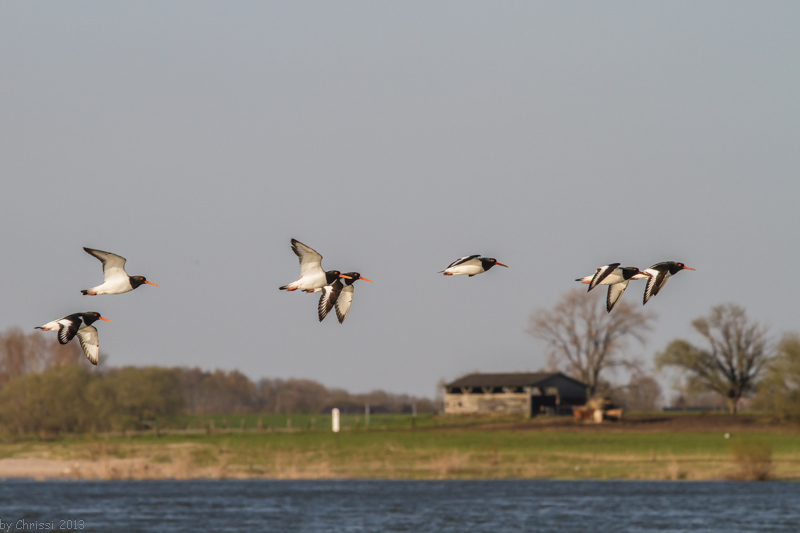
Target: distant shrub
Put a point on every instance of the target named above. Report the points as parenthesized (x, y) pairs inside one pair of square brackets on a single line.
[(73, 399), (754, 462), (779, 391)]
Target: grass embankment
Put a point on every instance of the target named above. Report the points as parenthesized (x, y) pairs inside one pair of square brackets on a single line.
[(691, 447)]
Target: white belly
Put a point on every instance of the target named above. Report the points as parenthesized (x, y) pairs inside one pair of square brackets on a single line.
[(468, 270), (117, 286), (308, 283)]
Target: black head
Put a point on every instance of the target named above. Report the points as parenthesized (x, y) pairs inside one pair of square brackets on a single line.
[(91, 316), (140, 280), (489, 262), (332, 275), (675, 267), (354, 276), (629, 272)]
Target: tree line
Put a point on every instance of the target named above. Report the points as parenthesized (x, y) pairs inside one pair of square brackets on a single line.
[(736, 359), (48, 388)]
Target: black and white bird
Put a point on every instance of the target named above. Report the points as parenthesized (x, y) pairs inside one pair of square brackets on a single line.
[(115, 279), (659, 274), (339, 294), (79, 324), (616, 278), (312, 277), (471, 265)]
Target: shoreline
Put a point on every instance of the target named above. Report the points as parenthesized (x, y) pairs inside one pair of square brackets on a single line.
[(701, 448)]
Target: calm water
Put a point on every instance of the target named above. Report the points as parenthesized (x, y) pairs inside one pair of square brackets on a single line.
[(415, 506)]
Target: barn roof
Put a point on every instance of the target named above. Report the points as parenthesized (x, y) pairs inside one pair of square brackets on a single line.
[(515, 379)]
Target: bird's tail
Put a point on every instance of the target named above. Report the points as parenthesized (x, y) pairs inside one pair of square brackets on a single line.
[(86, 292)]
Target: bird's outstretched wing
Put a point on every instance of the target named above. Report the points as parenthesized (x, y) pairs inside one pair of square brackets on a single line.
[(91, 347), (614, 294), (461, 261), (113, 264), (68, 328), (310, 260), (329, 297), (659, 275), (601, 274), (343, 303)]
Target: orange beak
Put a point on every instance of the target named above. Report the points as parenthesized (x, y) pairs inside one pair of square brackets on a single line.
[(501, 264), (343, 276), (101, 318), (365, 279), (688, 268), (151, 283)]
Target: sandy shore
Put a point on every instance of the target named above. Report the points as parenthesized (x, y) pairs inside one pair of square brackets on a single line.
[(105, 469)]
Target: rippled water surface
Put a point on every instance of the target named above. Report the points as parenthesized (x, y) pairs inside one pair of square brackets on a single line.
[(367, 506)]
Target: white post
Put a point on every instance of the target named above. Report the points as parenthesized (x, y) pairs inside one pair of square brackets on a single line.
[(335, 420)]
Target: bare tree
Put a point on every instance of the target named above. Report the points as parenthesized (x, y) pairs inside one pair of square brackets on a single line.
[(642, 393), (24, 353), (585, 339), (738, 350)]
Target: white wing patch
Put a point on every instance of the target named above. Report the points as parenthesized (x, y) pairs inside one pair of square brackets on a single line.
[(648, 290), (113, 264), (91, 347), (614, 294), (343, 303), (329, 296), (310, 260), (655, 283), (67, 329), (601, 274)]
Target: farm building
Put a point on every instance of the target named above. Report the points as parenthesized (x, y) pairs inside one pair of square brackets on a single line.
[(518, 393)]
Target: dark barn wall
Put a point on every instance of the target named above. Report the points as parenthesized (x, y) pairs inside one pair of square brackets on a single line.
[(570, 391), (483, 393)]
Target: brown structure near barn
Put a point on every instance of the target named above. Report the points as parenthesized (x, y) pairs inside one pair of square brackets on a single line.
[(526, 394)]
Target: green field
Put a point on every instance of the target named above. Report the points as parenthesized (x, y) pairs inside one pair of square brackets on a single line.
[(431, 447), (307, 422)]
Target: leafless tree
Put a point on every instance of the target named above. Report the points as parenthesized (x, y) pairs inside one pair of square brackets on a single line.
[(642, 393), (584, 339), (22, 353), (737, 354)]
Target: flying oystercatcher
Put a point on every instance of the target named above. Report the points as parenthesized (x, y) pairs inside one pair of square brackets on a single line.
[(616, 278), (312, 277), (339, 294), (115, 279), (79, 324), (471, 265), (659, 274)]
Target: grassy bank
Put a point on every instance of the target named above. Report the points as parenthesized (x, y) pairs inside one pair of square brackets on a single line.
[(435, 448)]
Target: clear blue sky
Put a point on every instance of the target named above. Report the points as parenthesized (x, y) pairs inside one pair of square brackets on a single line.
[(197, 138)]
